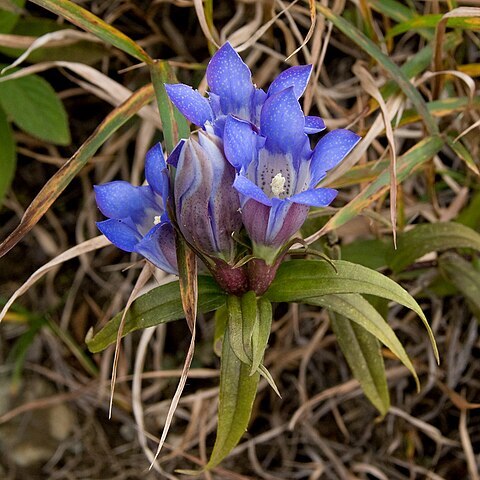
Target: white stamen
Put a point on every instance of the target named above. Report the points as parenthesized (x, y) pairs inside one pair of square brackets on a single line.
[(156, 219), (278, 185)]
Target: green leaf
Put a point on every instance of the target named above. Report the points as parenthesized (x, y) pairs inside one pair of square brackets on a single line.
[(9, 14), (359, 345), (55, 186), (160, 305), (301, 280), (34, 106), (237, 394), (91, 23), (174, 124), (261, 332), (369, 253), (238, 321), (8, 156), (465, 277), (431, 237)]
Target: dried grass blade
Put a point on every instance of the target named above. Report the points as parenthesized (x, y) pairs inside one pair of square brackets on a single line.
[(394, 71), (55, 186), (52, 37), (368, 84), (84, 247), (143, 278), (313, 22), (471, 15), (93, 24)]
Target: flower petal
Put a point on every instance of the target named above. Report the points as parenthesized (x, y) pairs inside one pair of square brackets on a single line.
[(315, 197), (285, 220), (282, 123), (120, 199), (120, 234), (314, 124), (175, 154), (158, 247), (296, 77), (250, 190), (230, 79), (155, 167), (189, 101), (330, 151), (240, 142)]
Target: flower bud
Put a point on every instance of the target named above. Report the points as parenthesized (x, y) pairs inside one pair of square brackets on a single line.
[(206, 204)]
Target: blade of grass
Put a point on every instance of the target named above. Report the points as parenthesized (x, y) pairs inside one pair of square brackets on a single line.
[(55, 186), (91, 23), (175, 126), (394, 71), (408, 162)]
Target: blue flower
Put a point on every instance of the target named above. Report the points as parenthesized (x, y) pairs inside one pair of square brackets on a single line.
[(206, 204), (137, 217), (277, 172), (232, 93)]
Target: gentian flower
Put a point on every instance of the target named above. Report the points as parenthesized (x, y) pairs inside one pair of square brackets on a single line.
[(277, 172), (207, 207), (137, 217), (232, 92), (206, 204)]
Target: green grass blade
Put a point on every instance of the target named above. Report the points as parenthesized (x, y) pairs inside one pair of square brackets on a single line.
[(55, 186), (406, 164), (174, 124), (91, 23), (394, 71)]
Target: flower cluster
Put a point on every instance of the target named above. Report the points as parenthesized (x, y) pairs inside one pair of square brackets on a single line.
[(250, 170)]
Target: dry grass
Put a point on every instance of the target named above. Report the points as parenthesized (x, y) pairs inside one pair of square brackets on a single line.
[(322, 427)]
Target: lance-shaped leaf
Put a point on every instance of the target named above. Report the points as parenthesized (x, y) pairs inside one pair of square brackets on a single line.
[(357, 328), (160, 305), (431, 237), (465, 277), (300, 280), (237, 394), (260, 334), (55, 186)]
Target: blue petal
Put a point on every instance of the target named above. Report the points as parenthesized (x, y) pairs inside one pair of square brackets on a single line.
[(120, 234), (158, 246), (318, 197), (175, 155), (240, 142), (296, 77), (330, 151), (189, 101), (314, 124), (250, 190), (230, 79), (282, 123), (155, 167), (120, 199)]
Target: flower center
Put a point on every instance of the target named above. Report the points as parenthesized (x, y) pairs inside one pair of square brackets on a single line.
[(156, 219), (278, 185)]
